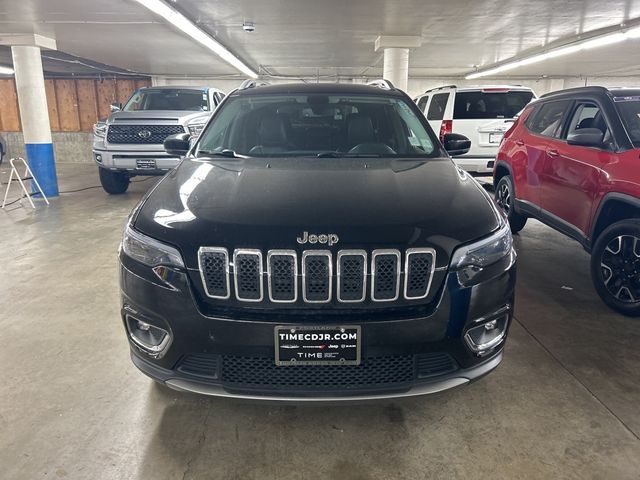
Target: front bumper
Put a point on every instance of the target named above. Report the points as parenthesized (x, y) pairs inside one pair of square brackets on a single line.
[(137, 162), (232, 355), (445, 382)]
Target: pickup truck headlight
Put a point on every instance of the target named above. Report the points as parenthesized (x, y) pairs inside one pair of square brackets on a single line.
[(100, 129), (196, 126), (149, 251), (472, 258)]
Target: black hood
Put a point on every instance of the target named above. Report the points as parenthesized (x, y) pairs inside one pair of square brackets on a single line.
[(267, 203)]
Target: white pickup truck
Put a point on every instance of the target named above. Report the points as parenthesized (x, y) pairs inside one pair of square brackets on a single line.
[(130, 142)]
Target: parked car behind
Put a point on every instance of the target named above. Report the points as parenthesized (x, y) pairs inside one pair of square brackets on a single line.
[(571, 161), (481, 114), (129, 142)]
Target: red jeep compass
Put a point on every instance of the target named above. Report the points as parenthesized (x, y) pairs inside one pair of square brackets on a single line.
[(572, 160)]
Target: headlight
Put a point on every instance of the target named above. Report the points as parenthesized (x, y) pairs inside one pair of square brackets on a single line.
[(196, 126), (100, 129), (149, 251), (474, 257)]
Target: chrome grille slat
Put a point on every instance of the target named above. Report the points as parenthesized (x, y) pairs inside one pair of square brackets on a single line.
[(317, 276), (387, 267), (419, 267), (247, 275), (282, 274), (352, 276), (385, 275), (213, 263)]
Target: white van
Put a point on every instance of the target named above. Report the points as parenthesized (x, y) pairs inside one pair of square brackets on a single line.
[(481, 114)]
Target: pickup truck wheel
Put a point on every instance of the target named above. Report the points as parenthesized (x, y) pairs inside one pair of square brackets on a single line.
[(615, 267), (114, 182), (504, 197)]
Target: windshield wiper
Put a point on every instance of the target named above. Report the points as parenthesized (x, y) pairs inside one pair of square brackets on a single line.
[(333, 154), (224, 153), (336, 154)]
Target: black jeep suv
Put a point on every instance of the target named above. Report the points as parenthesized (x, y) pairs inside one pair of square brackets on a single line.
[(316, 243)]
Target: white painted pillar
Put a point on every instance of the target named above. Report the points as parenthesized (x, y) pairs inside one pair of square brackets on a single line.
[(396, 57), (396, 67), (34, 114)]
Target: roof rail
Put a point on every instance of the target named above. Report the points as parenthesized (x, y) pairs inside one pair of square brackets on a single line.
[(589, 88), (251, 83), (382, 83), (440, 88)]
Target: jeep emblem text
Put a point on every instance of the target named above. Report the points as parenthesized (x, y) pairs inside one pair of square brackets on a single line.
[(328, 238)]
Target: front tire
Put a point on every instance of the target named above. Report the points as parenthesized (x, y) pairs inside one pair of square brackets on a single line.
[(615, 267), (505, 197), (114, 183)]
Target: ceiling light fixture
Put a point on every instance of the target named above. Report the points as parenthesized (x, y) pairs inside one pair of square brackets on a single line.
[(587, 44), (187, 26), (6, 70)]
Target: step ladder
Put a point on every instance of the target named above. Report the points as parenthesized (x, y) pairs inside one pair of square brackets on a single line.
[(28, 175)]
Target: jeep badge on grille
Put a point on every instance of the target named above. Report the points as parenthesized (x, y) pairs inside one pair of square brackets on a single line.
[(328, 238)]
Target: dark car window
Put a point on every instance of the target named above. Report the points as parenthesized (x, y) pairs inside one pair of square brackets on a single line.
[(547, 119), (168, 99), (422, 103), (437, 107), (629, 109), (481, 104), (308, 125), (589, 115)]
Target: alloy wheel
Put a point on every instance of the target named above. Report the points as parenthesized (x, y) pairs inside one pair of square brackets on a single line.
[(504, 197), (620, 265)]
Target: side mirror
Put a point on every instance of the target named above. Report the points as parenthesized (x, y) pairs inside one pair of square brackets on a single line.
[(586, 137), (116, 107), (178, 144), (456, 144)]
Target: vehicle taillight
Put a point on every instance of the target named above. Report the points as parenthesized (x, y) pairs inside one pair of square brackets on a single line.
[(446, 127)]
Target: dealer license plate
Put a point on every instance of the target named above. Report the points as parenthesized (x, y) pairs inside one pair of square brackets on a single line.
[(495, 137), (146, 163), (320, 345)]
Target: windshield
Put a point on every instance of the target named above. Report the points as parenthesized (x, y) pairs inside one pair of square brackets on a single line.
[(490, 104), (629, 109), (317, 124), (168, 99)]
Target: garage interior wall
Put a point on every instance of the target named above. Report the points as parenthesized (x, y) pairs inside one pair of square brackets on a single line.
[(74, 104)]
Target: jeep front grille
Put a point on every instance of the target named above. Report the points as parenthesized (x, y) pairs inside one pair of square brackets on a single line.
[(391, 273), (141, 134)]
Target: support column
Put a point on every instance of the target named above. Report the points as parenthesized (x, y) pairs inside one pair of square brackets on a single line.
[(396, 57), (396, 67), (34, 115)]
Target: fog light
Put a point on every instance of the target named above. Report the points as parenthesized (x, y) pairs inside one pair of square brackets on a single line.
[(149, 338), (484, 337), (98, 158)]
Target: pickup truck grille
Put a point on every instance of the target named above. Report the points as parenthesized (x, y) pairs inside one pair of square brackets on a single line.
[(141, 134), (280, 280)]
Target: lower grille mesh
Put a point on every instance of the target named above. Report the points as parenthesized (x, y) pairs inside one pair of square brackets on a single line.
[(258, 372)]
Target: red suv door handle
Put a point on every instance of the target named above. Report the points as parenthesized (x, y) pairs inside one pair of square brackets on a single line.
[(553, 152), (519, 143)]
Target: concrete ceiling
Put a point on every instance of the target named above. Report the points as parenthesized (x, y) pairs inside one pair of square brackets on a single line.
[(329, 37)]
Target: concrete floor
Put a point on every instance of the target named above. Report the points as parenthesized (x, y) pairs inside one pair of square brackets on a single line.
[(564, 403)]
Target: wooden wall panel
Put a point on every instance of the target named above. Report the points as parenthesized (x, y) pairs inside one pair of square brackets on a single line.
[(52, 103), (87, 104), (74, 104), (124, 89), (106, 96), (9, 112)]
